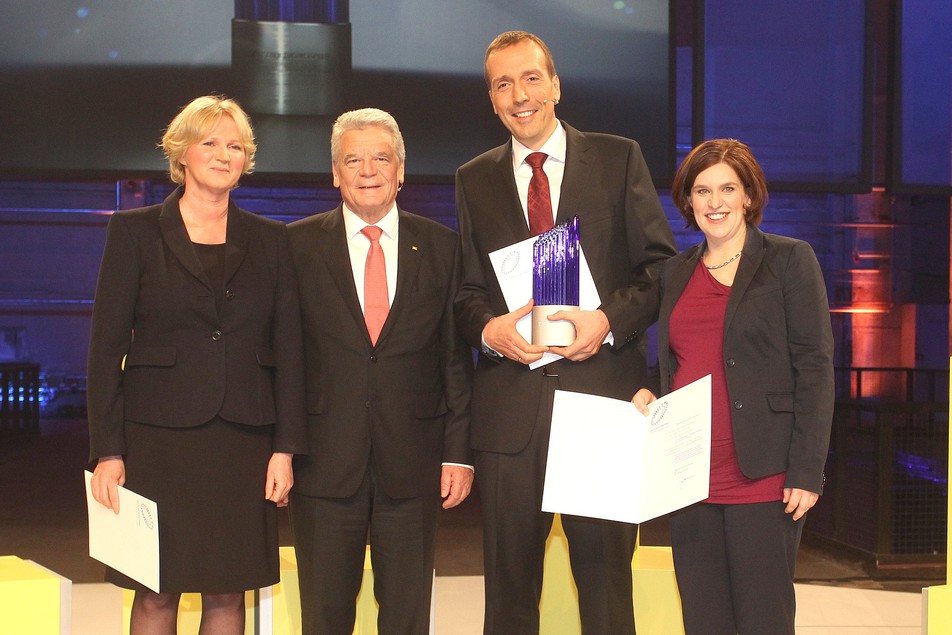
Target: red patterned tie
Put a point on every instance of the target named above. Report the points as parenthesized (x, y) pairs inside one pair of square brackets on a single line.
[(376, 299), (539, 201)]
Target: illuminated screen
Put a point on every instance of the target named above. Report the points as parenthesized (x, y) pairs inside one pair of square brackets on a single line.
[(796, 96), (925, 95), (87, 87)]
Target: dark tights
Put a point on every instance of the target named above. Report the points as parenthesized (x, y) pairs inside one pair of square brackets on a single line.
[(157, 613)]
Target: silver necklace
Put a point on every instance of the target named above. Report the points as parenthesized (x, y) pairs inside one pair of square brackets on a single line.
[(726, 262)]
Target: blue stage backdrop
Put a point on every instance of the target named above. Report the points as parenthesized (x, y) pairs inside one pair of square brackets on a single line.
[(924, 96)]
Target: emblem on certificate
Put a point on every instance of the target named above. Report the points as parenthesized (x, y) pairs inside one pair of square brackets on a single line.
[(555, 283)]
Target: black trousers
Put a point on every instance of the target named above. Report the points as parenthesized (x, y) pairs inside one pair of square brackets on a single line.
[(514, 535), (330, 538), (735, 567)]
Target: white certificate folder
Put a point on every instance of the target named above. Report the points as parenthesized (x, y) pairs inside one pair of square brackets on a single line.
[(128, 541), (607, 460)]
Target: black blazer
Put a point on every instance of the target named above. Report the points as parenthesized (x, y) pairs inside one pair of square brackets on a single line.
[(625, 237), (405, 401), (185, 362), (778, 356)]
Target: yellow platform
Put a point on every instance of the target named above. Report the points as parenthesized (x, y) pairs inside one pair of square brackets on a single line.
[(654, 590), (277, 610), (33, 599)]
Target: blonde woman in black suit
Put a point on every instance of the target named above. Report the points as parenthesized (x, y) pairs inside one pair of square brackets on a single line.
[(750, 309), (195, 378)]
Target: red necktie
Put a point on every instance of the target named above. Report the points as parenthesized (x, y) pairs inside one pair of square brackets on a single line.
[(376, 299), (539, 201)]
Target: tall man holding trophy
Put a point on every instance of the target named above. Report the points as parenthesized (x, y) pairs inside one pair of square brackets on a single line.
[(548, 174)]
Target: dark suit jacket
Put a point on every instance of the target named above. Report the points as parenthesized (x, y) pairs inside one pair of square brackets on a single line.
[(778, 356), (625, 237), (405, 401), (185, 362)]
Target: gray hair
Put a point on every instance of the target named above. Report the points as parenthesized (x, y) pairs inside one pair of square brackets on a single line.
[(366, 118)]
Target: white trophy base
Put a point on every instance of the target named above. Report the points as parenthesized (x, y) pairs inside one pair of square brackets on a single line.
[(548, 333)]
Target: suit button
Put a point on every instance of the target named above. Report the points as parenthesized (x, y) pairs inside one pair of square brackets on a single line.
[(366, 404), (216, 335), (373, 358), (738, 404), (229, 295), (731, 362)]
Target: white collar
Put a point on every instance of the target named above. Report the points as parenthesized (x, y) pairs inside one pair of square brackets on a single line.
[(354, 223), (554, 147)]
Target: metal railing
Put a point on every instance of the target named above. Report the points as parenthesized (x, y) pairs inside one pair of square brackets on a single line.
[(893, 384), (887, 469)]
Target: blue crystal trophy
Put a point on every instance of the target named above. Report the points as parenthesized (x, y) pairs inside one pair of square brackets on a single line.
[(555, 285)]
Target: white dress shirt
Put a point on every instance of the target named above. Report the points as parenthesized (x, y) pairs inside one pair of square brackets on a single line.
[(359, 246)]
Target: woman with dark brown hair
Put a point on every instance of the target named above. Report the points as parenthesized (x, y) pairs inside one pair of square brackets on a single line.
[(750, 309)]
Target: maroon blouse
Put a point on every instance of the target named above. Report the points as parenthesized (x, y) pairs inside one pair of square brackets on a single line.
[(697, 340)]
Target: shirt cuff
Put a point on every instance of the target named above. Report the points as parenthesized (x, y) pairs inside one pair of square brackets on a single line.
[(469, 467), (487, 350)]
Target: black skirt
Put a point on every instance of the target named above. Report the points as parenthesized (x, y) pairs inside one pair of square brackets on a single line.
[(217, 533)]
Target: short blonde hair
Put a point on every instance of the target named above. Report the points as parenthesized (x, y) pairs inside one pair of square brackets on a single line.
[(195, 121)]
